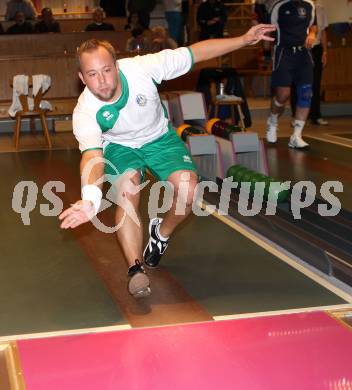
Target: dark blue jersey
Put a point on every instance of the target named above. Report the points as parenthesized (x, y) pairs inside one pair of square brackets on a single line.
[(293, 18)]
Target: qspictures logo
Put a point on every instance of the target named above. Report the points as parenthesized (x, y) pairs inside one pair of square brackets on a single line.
[(162, 196)]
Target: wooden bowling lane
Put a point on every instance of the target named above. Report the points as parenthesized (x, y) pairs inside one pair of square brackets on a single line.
[(296, 351), (324, 161), (169, 303)]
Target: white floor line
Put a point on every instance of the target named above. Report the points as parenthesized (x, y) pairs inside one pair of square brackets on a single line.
[(331, 141), (331, 284), (70, 332), (282, 312)]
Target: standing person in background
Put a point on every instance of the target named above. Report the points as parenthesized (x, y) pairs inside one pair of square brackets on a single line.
[(143, 8), (292, 65), (114, 8), (174, 18), (319, 52), (261, 9), (211, 18), (185, 24), (24, 6), (47, 23)]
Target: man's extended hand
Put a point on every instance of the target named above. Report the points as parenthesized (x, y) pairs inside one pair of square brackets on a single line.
[(80, 212), (258, 33)]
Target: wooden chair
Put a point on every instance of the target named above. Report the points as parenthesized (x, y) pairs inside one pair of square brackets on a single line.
[(216, 103), (36, 112)]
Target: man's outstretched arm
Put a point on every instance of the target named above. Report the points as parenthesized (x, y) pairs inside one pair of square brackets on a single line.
[(212, 48), (92, 173)]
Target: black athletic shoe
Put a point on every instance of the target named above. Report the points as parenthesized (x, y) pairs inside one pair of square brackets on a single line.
[(156, 247), (138, 284)]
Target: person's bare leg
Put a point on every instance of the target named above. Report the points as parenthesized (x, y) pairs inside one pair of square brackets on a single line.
[(302, 113), (296, 140), (130, 234), (184, 184)]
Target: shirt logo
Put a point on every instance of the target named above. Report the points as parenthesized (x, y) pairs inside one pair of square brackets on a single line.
[(141, 100), (187, 159), (108, 115), (302, 12), (287, 12)]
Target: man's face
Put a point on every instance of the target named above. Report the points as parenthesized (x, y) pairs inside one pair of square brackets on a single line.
[(99, 73), (47, 16), (98, 16), (19, 18)]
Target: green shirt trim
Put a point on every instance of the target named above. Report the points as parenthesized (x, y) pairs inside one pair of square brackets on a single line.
[(108, 114), (87, 150), (125, 92), (192, 58)]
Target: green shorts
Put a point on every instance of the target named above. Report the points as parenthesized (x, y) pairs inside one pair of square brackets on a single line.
[(161, 157)]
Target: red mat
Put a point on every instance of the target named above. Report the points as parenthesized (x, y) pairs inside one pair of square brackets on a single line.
[(298, 351)]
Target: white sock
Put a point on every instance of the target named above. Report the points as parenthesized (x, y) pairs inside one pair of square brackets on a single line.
[(162, 238), (273, 118), (298, 127), (277, 104)]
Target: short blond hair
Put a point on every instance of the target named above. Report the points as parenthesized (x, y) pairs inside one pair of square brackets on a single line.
[(160, 31), (93, 44)]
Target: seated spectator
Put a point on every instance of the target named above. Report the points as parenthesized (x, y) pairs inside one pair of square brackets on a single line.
[(47, 23), (99, 24), (161, 40), (21, 26), (24, 6), (138, 42), (133, 21), (1, 29)]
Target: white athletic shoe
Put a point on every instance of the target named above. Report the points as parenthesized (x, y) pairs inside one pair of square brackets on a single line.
[(296, 142), (322, 122), (271, 132)]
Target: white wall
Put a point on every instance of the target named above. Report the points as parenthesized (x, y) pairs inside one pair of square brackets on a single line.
[(338, 10)]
